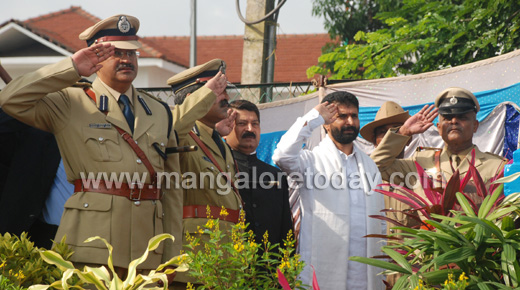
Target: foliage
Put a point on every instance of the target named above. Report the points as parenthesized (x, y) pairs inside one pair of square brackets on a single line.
[(238, 262), (6, 284), (468, 242), (462, 237), (21, 264), (344, 18), (102, 279), (423, 35)]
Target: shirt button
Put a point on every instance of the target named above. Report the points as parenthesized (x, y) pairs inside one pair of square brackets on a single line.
[(85, 205), (211, 167), (137, 203), (101, 139), (228, 166), (135, 141), (139, 161), (254, 205), (392, 231), (162, 144)]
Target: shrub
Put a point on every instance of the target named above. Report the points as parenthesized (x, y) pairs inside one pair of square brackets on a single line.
[(102, 279), (21, 264), (220, 261)]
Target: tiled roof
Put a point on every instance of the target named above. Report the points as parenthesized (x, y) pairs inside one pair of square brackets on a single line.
[(294, 53)]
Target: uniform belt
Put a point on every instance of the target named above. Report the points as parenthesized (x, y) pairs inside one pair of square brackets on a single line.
[(201, 211), (144, 191)]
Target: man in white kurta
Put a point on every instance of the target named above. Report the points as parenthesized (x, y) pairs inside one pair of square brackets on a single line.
[(336, 185)]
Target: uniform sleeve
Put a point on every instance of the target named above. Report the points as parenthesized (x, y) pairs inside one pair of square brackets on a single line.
[(194, 107), (392, 169), (289, 154), (39, 99)]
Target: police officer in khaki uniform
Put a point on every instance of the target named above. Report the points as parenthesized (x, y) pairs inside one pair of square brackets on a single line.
[(209, 173), (92, 126), (457, 109)]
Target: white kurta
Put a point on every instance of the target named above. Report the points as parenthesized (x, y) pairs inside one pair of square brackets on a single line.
[(327, 225)]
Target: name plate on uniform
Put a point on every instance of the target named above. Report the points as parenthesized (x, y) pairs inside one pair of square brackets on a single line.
[(100, 125)]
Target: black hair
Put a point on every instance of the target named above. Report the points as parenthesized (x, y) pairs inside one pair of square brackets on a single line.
[(181, 94), (245, 105), (341, 97)]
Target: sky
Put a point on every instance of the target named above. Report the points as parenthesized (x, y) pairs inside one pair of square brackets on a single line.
[(172, 17)]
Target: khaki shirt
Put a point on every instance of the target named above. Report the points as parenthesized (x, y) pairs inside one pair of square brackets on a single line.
[(89, 144)]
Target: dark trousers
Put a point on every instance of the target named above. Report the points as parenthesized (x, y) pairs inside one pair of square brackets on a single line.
[(42, 234)]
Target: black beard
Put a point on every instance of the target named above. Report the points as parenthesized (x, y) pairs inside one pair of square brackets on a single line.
[(344, 138)]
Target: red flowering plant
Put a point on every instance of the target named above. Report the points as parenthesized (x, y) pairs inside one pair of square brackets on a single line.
[(442, 200), (460, 233)]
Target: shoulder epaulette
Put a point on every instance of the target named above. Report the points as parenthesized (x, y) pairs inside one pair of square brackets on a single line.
[(498, 156), (143, 92), (83, 83)]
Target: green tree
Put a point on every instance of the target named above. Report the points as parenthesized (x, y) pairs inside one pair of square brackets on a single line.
[(425, 35), (343, 18)]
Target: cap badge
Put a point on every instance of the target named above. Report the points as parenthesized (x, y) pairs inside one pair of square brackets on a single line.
[(123, 25), (453, 100)]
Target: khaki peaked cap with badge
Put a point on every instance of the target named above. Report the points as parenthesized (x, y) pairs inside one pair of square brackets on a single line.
[(118, 30), (210, 187), (389, 113), (455, 101), (90, 144), (199, 74)]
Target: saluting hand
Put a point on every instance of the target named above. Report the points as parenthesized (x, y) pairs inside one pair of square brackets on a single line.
[(328, 111), (218, 83), (225, 126), (419, 122), (87, 60)]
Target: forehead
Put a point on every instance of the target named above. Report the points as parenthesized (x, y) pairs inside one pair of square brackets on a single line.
[(246, 115), (346, 109)]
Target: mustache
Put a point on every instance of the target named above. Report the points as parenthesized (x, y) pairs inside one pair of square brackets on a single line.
[(249, 134), (349, 128), (125, 65)]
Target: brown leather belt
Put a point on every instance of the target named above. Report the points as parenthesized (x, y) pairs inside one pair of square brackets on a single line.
[(144, 191), (201, 211)]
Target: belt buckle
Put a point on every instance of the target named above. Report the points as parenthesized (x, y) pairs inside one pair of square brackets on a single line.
[(132, 191)]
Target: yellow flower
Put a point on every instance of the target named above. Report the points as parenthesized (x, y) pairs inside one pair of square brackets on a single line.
[(210, 224), (238, 247), (463, 277), (2, 265), (265, 238), (223, 212)]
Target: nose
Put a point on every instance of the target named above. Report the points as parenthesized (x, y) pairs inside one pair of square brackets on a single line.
[(249, 127)]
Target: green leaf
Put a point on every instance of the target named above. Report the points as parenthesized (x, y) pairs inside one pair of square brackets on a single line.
[(400, 259), (454, 256), (466, 207), (380, 264)]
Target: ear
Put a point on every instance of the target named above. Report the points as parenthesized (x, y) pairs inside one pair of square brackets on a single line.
[(327, 128), (475, 126)]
